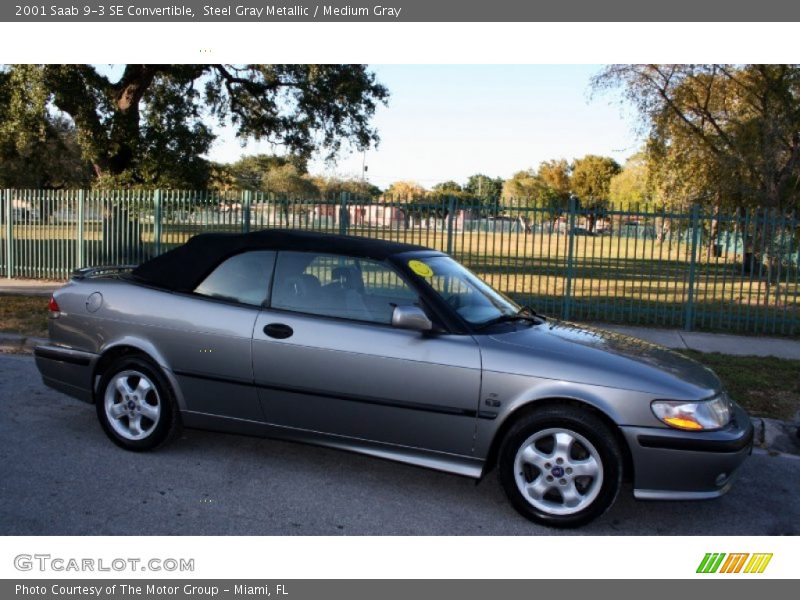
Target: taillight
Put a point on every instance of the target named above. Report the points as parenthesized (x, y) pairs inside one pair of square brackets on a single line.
[(52, 306)]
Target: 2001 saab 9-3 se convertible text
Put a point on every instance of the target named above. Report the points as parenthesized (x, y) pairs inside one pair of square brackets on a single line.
[(391, 350)]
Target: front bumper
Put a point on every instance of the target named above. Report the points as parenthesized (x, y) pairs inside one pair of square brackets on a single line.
[(670, 464), (66, 370)]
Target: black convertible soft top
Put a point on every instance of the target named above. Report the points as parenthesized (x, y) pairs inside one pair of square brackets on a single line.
[(184, 268)]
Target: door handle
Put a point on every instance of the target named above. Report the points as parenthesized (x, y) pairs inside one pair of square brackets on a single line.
[(278, 330)]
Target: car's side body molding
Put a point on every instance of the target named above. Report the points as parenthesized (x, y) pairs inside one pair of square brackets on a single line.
[(450, 463), (420, 406)]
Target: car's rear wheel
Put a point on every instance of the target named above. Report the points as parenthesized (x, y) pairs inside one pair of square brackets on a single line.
[(135, 404), (560, 466)]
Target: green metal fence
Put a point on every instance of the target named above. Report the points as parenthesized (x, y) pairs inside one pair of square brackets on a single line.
[(703, 269)]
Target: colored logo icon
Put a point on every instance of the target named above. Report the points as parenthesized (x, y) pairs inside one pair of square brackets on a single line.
[(741, 562)]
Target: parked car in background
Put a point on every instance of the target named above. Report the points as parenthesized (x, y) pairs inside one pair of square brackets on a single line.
[(583, 231), (392, 350), (24, 211)]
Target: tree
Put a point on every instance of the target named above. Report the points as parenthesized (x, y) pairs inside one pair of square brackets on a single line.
[(406, 191), (52, 162), (548, 187), (485, 189), (631, 186), (719, 133), (49, 159), (523, 187), (288, 180), (359, 190), (591, 182), (550, 182), (248, 172), (152, 125), (556, 175), (447, 187)]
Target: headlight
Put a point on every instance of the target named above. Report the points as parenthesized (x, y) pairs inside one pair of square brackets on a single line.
[(696, 416)]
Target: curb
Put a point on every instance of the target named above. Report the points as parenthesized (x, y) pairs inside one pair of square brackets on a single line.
[(775, 436), (12, 343), (41, 293)]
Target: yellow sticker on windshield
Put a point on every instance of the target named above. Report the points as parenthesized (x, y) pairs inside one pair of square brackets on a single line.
[(420, 268)]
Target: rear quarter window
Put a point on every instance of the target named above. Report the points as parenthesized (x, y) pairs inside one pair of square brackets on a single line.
[(243, 278)]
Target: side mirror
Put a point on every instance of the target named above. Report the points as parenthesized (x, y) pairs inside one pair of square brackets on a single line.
[(411, 317)]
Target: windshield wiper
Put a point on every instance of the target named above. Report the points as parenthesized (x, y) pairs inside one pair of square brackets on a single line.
[(527, 309), (518, 316)]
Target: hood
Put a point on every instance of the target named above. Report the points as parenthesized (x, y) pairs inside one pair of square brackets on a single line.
[(583, 354)]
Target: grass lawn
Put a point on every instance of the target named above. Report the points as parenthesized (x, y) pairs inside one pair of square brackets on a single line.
[(765, 386), (23, 314)]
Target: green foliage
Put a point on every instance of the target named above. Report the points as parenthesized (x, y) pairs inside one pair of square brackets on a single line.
[(332, 188), (549, 185), (287, 176), (37, 149), (406, 191), (50, 162), (288, 180), (557, 176), (485, 189), (23, 106), (151, 127), (521, 186), (631, 186), (248, 172), (447, 187), (720, 134), (591, 179)]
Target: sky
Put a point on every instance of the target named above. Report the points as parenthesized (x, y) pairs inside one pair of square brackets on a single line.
[(447, 122)]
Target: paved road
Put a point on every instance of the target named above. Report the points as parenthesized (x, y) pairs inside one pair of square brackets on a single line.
[(60, 475)]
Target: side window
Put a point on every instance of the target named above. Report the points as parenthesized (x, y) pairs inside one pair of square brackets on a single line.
[(242, 278), (338, 286)]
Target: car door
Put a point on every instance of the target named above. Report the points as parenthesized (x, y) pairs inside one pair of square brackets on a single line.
[(206, 336), (326, 358)]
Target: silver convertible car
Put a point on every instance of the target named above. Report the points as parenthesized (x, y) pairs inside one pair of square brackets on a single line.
[(392, 350)]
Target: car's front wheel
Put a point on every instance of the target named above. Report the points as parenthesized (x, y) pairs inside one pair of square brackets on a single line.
[(135, 404), (560, 466)]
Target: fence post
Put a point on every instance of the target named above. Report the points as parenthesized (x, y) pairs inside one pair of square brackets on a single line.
[(570, 257), (79, 255), (451, 209), (246, 201), (344, 215), (689, 319), (157, 221), (9, 234)]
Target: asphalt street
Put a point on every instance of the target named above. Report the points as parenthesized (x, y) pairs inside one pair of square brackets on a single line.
[(60, 475)]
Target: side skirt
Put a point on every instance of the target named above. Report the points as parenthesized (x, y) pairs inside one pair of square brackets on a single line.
[(439, 461)]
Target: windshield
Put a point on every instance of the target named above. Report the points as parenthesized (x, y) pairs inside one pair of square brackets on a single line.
[(468, 295)]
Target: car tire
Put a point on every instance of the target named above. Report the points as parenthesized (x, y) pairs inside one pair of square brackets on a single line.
[(135, 404), (560, 466)]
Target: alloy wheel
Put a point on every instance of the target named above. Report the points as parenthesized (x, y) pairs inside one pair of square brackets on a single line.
[(558, 471), (132, 405)]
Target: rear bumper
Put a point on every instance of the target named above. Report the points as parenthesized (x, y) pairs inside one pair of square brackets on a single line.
[(66, 370), (670, 464)]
